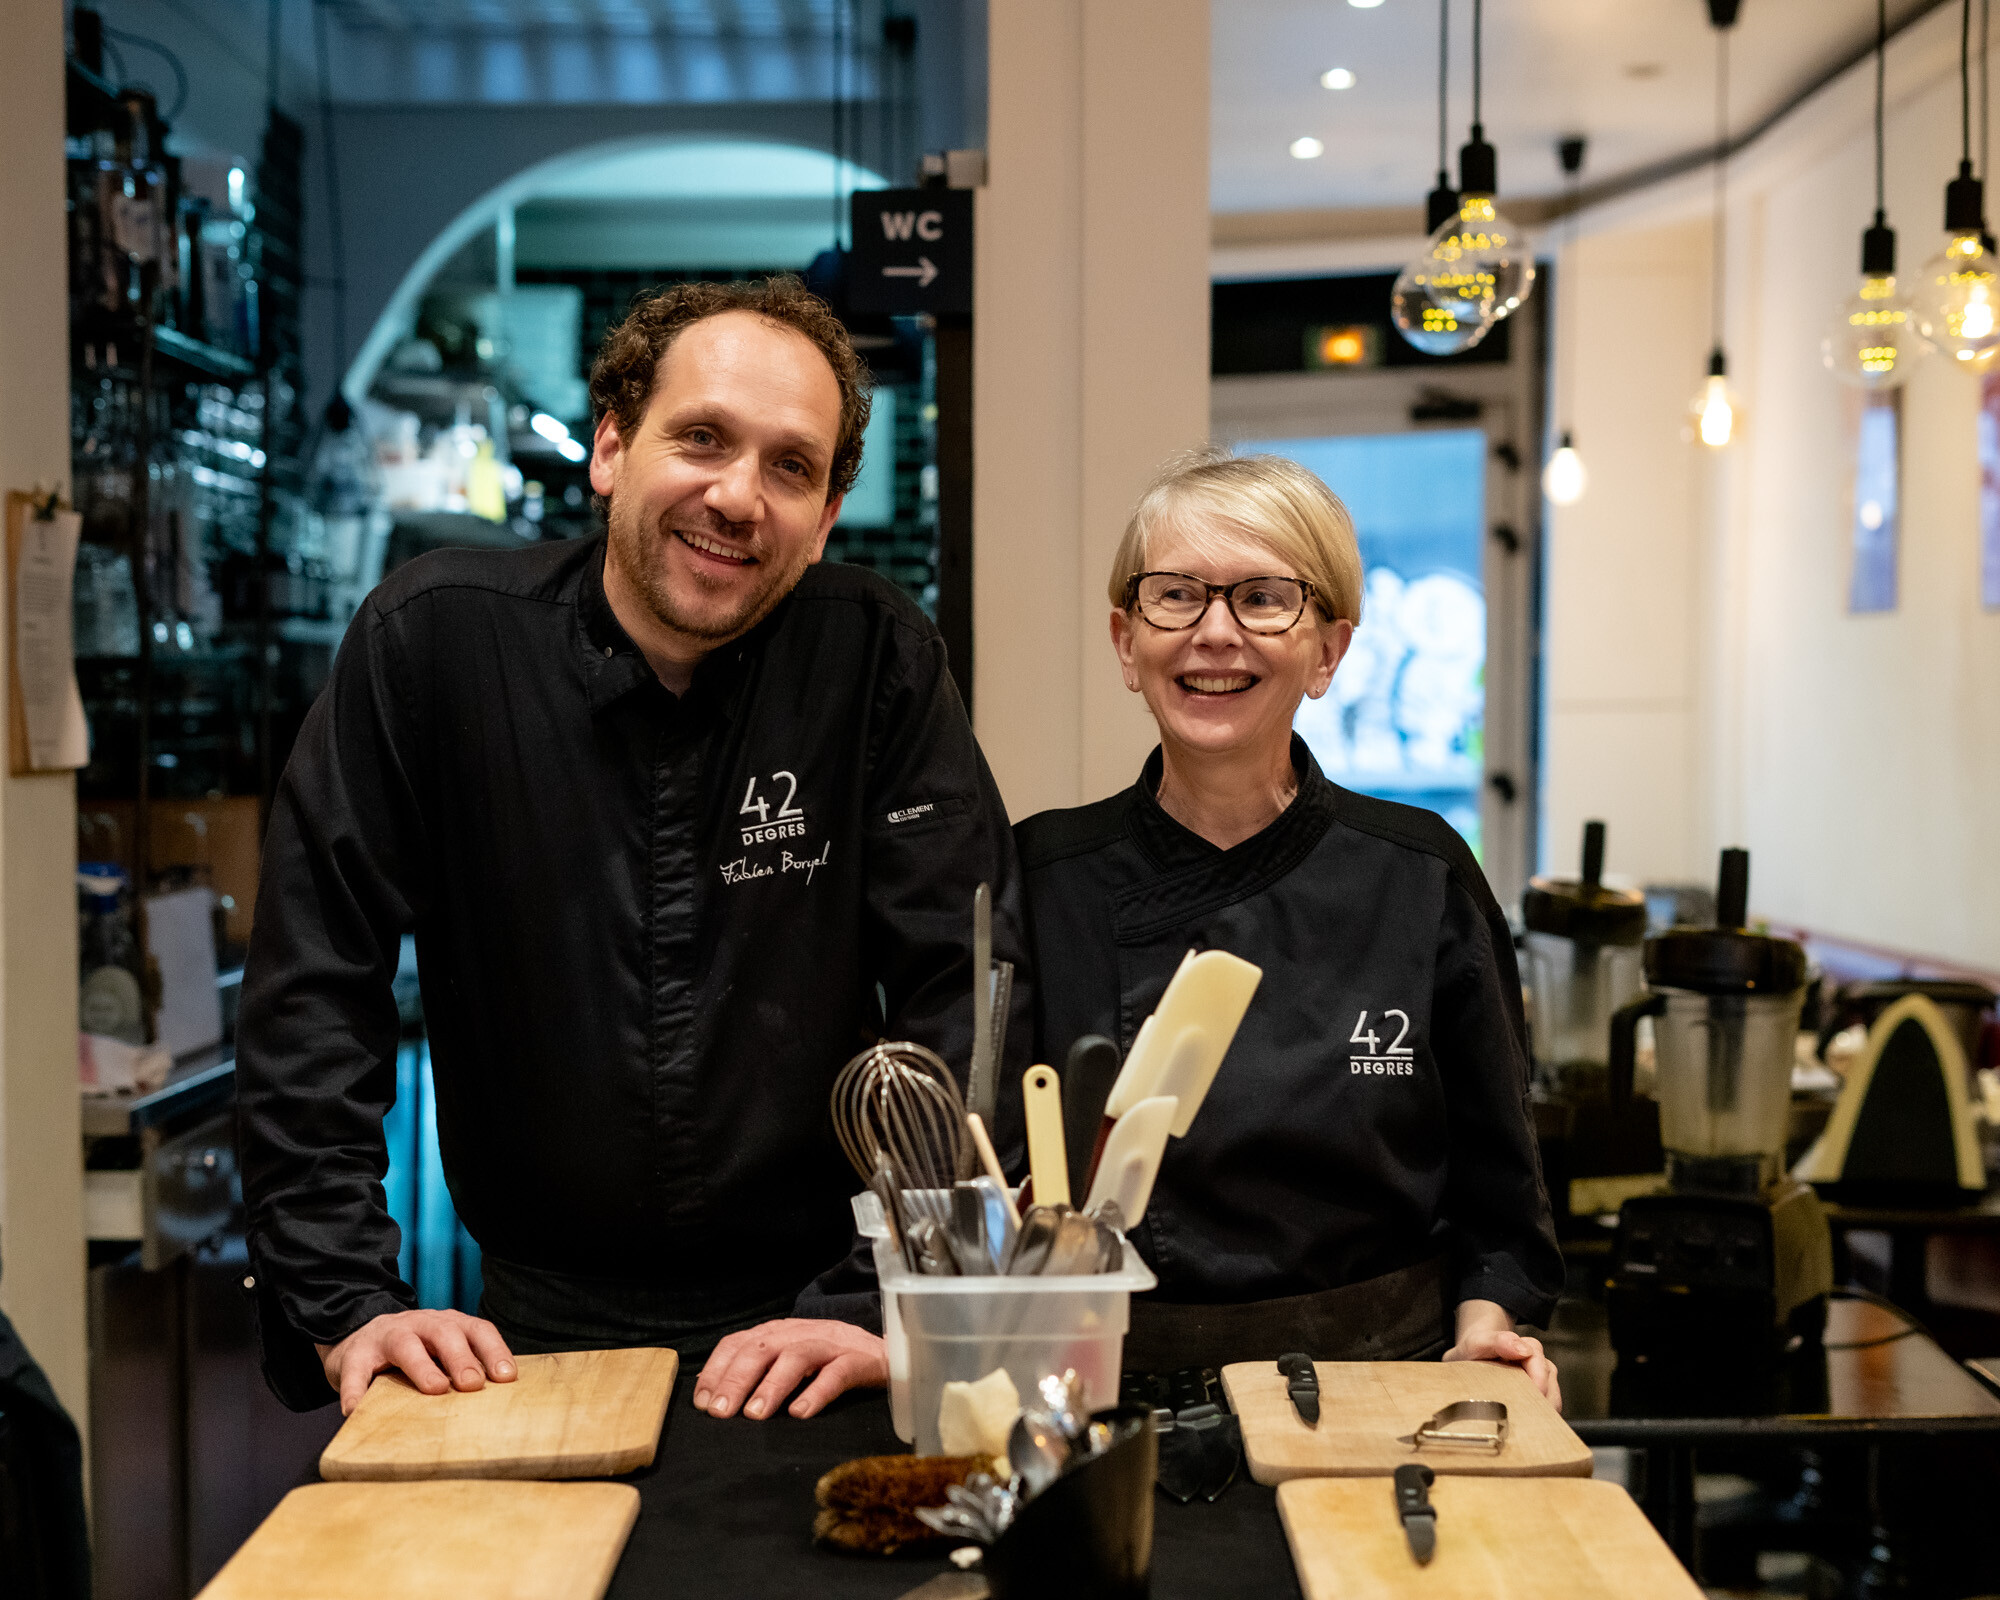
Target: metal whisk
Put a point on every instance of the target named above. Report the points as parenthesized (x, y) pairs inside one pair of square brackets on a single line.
[(901, 1101)]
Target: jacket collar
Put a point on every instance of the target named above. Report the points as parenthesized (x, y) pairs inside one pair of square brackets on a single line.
[(1195, 876), (613, 666)]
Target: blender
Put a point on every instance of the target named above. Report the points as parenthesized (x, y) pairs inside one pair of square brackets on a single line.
[(1582, 954), (1734, 1255)]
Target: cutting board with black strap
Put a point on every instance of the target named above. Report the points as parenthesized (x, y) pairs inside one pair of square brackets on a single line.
[(434, 1541), (1369, 1408), (575, 1414), (1497, 1539)]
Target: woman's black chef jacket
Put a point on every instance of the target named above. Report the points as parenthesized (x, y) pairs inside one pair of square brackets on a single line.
[(1372, 1110), (650, 928)]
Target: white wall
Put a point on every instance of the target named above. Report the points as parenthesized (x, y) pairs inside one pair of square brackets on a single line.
[(1090, 363), (1622, 567), (41, 1178), (1707, 684)]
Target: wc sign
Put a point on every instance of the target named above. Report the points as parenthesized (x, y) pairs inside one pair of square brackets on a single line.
[(912, 251)]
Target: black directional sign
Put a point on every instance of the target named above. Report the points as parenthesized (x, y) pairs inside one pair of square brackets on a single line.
[(912, 252)]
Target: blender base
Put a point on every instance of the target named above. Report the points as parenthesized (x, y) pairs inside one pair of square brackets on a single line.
[(1696, 1275)]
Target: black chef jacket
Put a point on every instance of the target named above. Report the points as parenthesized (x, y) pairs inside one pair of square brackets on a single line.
[(649, 931), (1372, 1111)]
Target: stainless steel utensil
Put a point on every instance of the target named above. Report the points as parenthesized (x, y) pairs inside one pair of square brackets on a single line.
[(969, 1246), (979, 1081), (1074, 1248), (1001, 1227), (996, 1054), (903, 1100), (1037, 1450), (1031, 1246)]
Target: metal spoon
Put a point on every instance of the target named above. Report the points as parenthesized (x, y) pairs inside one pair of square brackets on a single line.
[(1032, 1243), (1037, 1450)]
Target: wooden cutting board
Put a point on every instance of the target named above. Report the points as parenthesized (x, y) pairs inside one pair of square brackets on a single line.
[(1368, 1408), (434, 1541), (577, 1414), (1497, 1539)]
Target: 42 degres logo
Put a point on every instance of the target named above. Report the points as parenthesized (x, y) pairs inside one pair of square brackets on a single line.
[(1396, 1061)]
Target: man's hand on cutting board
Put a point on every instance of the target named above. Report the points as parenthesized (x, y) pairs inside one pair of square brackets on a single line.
[(435, 1350), (774, 1357), (1486, 1333)]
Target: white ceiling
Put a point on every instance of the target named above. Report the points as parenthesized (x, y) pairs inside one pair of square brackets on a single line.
[(1637, 77)]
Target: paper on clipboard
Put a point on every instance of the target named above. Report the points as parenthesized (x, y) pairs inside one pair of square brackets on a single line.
[(44, 658)]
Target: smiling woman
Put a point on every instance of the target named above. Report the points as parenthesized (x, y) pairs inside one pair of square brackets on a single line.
[(1362, 1182)]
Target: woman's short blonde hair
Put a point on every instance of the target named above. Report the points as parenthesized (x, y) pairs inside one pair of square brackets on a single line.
[(1209, 494)]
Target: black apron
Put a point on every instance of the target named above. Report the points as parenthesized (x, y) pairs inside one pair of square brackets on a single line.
[(1404, 1315)]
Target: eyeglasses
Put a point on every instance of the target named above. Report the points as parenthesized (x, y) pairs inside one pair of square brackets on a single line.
[(1174, 601)]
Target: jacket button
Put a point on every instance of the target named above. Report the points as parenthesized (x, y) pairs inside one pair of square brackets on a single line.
[(607, 651)]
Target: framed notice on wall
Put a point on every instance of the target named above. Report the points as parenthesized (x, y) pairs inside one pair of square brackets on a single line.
[(1989, 491), (1877, 502), (45, 727)]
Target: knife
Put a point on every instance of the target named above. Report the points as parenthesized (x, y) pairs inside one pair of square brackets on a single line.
[(1413, 1506), (1302, 1384), (979, 1081)]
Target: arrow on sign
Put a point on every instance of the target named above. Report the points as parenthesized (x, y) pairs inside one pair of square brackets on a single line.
[(923, 272)]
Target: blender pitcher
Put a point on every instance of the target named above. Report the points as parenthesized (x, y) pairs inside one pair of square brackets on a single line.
[(1583, 963), (1725, 1004)]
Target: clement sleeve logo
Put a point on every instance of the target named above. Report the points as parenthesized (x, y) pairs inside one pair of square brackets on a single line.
[(1396, 1061)]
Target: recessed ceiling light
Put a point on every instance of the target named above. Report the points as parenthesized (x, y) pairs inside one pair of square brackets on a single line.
[(1307, 148), (1336, 78), (1364, 5)]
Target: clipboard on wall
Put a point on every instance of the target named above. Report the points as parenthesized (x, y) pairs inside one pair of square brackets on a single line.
[(46, 731)]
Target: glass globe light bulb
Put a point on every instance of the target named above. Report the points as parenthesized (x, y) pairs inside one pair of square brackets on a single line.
[(1478, 263), (1957, 300), (1874, 341), (1714, 409), (1432, 328), (1564, 479)]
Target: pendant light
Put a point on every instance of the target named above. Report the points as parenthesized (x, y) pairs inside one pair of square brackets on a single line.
[(1874, 342), (1715, 408), (1564, 479), (1477, 263), (1957, 302), (1431, 328)]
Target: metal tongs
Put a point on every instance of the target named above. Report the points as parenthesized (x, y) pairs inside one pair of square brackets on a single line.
[(1475, 1424)]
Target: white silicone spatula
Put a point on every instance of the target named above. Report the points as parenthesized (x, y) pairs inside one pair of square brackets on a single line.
[(1210, 992), (1131, 1159)]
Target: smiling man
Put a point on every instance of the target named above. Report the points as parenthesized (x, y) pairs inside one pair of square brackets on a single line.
[(678, 819)]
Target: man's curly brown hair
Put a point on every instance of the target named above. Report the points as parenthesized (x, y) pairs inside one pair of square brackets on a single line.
[(622, 377)]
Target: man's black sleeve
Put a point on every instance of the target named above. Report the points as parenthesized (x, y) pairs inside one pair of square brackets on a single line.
[(316, 1043), (1503, 1239), (936, 829)]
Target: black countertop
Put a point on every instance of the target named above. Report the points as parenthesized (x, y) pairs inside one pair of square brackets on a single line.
[(727, 1509)]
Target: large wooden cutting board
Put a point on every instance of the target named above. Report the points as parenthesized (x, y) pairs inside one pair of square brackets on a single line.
[(577, 1414), (1368, 1408), (434, 1541), (1497, 1539)]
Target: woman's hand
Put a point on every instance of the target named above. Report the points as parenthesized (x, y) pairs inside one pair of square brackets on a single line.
[(1486, 1333)]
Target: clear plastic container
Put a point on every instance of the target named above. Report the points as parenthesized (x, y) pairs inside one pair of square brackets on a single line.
[(943, 1330)]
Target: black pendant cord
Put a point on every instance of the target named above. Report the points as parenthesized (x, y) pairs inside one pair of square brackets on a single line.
[(1985, 26), (1881, 59), (1444, 63), (1478, 22), (1721, 178), (1965, 83)]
